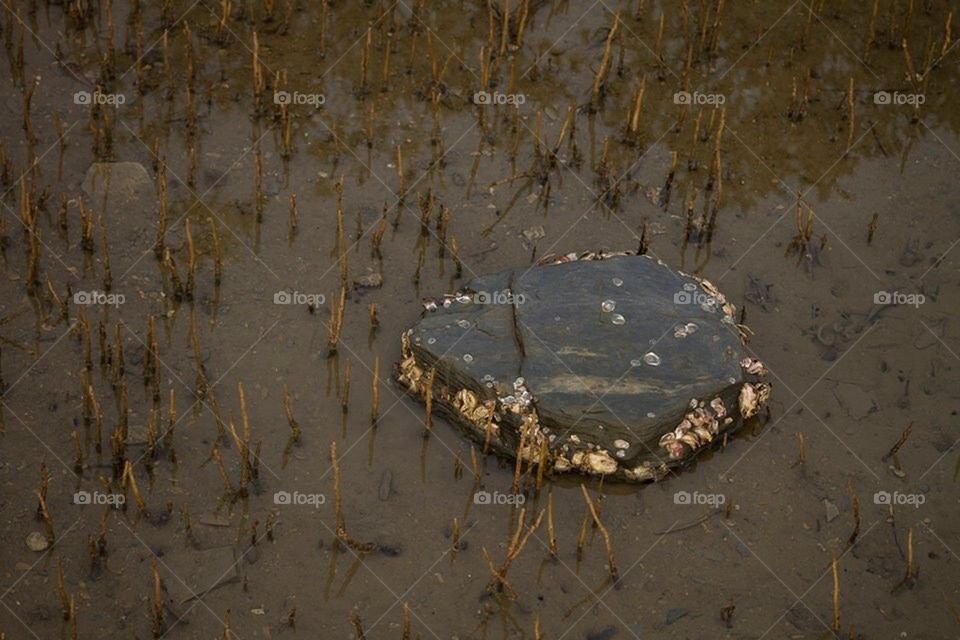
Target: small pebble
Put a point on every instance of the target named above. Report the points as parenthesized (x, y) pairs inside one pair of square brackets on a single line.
[(675, 614), (386, 485), (831, 510), (37, 542)]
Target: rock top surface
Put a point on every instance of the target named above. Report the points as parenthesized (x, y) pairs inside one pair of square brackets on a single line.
[(609, 364)]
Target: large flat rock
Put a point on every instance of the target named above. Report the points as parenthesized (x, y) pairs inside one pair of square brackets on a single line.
[(618, 366)]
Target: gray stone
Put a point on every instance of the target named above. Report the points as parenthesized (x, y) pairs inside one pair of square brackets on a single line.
[(831, 510), (118, 184), (617, 364), (676, 614), (37, 542), (369, 281), (385, 487)]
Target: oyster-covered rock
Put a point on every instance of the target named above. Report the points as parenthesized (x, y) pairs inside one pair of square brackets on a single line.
[(607, 364)]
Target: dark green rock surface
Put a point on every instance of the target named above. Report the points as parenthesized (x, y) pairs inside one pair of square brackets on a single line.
[(599, 373)]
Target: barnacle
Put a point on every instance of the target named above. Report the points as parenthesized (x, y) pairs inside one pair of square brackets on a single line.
[(753, 366), (672, 445), (586, 255), (717, 405), (465, 401), (752, 397), (697, 429), (409, 373), (598, 462)]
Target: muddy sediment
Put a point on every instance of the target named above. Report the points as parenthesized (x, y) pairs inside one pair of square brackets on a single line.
[(219, 218)]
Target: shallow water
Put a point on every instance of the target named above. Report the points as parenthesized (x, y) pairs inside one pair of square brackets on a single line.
[(849, 374)]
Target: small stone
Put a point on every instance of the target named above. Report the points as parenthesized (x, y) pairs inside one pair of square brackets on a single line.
[(37, 542), (213, 520), (386, 485), (675, 614), (369, 281), (606, 633), (534, 233), (118, 182), (831, 509), (653, 195)]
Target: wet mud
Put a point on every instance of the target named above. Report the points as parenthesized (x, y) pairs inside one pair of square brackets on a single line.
[(218, 218)]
